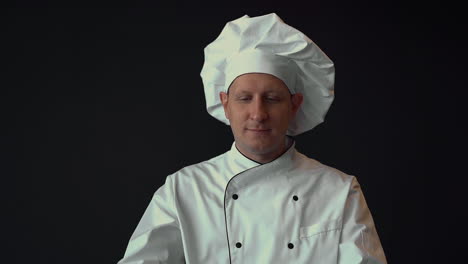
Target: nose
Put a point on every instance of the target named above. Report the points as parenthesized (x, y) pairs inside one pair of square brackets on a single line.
[(258, 111)]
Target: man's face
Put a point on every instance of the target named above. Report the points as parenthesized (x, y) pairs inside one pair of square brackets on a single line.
[(259, 108)]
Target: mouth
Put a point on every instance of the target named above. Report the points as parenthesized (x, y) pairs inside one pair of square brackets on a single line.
[(258, 130)]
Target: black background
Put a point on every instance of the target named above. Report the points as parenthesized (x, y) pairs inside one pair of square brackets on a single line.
[(100, 105)]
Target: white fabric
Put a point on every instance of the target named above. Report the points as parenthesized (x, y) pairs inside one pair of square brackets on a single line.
[(265, 44), (263, 62), (193, 218)]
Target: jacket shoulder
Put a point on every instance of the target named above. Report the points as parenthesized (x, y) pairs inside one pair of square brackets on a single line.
[(323, 172)]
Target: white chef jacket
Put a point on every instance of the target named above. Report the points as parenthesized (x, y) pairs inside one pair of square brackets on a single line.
[(231, 209)]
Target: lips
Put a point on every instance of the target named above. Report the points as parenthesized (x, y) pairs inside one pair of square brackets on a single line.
[(258, 130)]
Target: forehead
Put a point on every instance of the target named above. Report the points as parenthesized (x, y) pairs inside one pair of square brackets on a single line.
[(258, 82)]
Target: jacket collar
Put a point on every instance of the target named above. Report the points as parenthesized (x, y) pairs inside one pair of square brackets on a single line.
[(240, 163)]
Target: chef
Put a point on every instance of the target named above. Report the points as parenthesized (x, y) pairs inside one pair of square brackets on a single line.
[(262, 201)]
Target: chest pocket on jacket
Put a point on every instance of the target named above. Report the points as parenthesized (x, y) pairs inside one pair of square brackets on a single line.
[(319, 228)]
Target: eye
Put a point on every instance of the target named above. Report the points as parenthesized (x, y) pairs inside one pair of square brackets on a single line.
[(272, 98), (243, 98)]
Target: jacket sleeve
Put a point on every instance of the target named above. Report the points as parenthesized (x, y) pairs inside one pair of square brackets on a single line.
[(359, 241), (157, 238)]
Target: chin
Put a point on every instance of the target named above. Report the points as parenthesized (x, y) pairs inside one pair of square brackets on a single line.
[(264, 147)]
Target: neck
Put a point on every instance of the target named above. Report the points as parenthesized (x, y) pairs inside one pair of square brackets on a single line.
[(268, 156)]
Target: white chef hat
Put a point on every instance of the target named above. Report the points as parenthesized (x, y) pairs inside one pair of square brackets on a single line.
[(265, 44)]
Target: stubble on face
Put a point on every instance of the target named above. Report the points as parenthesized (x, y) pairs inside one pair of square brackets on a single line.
[(259, 108)]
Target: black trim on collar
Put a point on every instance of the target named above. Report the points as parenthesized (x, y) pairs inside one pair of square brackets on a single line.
[(291, 140)]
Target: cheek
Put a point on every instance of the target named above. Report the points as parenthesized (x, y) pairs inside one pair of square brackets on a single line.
[(284, 114), (236, 116)]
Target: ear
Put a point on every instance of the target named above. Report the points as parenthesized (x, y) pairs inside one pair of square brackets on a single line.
[(224, 100), (296, 102)]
